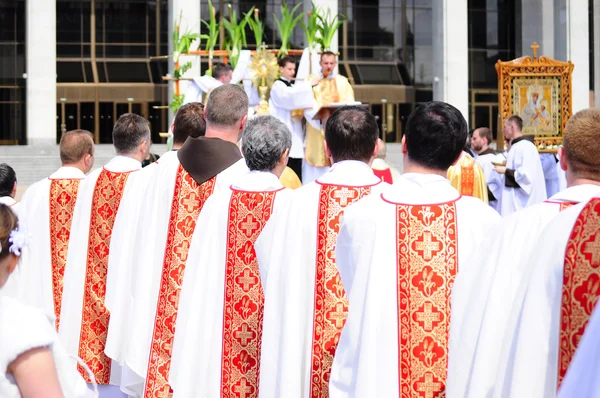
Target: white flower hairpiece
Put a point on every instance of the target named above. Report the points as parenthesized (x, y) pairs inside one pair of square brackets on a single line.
[(18, 240)]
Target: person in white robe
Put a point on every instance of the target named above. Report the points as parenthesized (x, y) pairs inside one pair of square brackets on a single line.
[(556, 299), (297, 263), (84, 317), (551, 176), (287, 103), (203, 166), (223, 274), (189, 122), (484, 297), (381, 168), (398, 254), (201, 86), (8, 187), (582, 379), (523, 183), (46, 214), (486, 157)]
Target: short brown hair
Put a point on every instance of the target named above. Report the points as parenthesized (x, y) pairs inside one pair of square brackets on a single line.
[(189, 122), (486, 133), (326, 53), (582, 134), (282, 62), (220, 69), (226, 105), (8, 223), (129, 132), (74, 145), (516, 120)]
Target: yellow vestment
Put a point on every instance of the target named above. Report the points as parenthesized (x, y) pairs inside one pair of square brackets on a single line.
[(289, 179), (467, 177), (336, 89)]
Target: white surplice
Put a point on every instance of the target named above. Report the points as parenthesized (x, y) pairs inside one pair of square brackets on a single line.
[(75, 269), (148, 267), (35, 267), (197, 348), (10, 202), (582, 378), (524, 159), (287, 253), (483, 297), (367, 358), (528, 365), (551, 175), (283, 101), (493, 180)]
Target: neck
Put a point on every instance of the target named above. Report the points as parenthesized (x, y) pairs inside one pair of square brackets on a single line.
[(78, 165), (411, 167), (517, 135), (226, 134), (176, 146), (483, 149), (574, 180), (136, 156)]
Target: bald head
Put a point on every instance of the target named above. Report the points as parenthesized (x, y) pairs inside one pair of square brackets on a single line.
[(75, 145), (581, 148)]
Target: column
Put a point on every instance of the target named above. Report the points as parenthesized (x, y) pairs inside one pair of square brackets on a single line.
[(597, 53), (578, 51), (40, 46), (189, 10), (537, 24), (451, 54)]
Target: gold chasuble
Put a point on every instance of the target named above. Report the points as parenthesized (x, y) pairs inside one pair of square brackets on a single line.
[(581, 282), (94, 322), (188, 199), (427, 255), (63, 195), (329, 90), (467, 177), (243, 299), (331, 303)]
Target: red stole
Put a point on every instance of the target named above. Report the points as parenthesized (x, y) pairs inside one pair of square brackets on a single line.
[(243, 299), (331, 303), (427, 264), (94, 322), (188, 200), (63, 195), (581, 282), (385, 175)]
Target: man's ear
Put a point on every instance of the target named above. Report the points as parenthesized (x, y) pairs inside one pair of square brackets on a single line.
[(243, 122), (562, 158), (403, 143), (327, 152), (284, 157)]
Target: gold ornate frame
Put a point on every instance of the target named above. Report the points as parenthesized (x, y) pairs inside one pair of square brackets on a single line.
[(542, 71)]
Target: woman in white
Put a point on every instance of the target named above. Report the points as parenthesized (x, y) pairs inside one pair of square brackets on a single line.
[(32, 362)]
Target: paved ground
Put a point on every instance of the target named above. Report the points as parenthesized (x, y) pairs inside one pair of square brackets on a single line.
[(34, 163)]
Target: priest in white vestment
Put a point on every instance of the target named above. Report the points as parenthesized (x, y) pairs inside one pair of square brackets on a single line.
[(201, 86), (483, 298), (287, 103), (216, 351), (84, 316), (549, 317), (188, 122), (203, 165), (46, 214), (8, 187), (305, 304), (524, 183), (398, 254)]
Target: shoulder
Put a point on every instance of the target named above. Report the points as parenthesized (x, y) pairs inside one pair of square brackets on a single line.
[(477, 208), (341, 78), (30, 328)]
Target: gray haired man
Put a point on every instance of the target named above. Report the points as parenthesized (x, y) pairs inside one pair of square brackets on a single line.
[(223, 288)]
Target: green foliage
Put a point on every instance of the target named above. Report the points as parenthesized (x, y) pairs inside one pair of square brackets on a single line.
[(311, 27), (213, 29), (177, 102), (236, 35), (182, 41), (328, 25), (256, 25), (286, 25), (178, 73)]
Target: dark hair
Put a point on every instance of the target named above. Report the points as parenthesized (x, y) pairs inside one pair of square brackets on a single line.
[(8, 223), (265, 139), (226, 105), (189, 122), (485, 133), (282, 62), (351, 134), (326, 53), (435, 135), (516, 120), (220, 69), (8, 178), (74, 145), (129, 131)]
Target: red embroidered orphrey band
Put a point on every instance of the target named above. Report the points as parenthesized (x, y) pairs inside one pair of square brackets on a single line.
[(467, 179), (63, 195), (188, 200), (331, 303), (581, 282), (94, 322), (427, 265), (243, 299)]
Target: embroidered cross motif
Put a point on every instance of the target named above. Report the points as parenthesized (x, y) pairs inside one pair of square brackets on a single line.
[(243, 335), (246, 280), (242, 389), (338, 316), (182, 250), (593, 249), (427, 246), (190, 203), (428, 386), (428, 317), (249, 225), (343, 195), (63, 217)]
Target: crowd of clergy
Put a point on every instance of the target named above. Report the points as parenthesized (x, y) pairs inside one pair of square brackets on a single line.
[(474, 273)]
